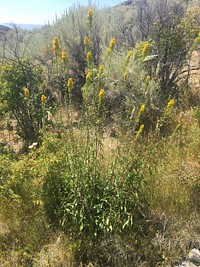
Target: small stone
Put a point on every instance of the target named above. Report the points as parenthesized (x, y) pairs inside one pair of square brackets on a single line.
[(194, 256), (187, 264)]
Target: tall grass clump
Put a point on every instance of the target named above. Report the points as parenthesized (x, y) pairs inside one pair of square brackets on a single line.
[(87, 197)]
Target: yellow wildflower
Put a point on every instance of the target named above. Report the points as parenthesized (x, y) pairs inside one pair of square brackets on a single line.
[(170, 103), (26, 91), (90, 16), (142, 108), (101, 69), (86, 41), (145, 49), (62, 136), (125, 75), (89, 56), (88, 76), (112, 43), (64, 55), (70, 85), (101, 95), (56, 44), (148, 78), (90, 13), (169, 106), (129, 54), (43, 100), (139, 131), (108, 51)]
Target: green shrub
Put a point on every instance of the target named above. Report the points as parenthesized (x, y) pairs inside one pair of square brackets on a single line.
[(22, 98)]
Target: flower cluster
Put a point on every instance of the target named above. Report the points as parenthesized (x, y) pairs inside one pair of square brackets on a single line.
[(26, 92), (170, 104), (125, 76), (90, 13), (89, 57), (88, 76), (90, 16), (70, 85), (148, 78), (145, 49), (142, 108), (112, 43), (101, 69), (108, 51), (101, 95), (139, 131), (43, 100), (56, 44), (129, 54), (86, 41)]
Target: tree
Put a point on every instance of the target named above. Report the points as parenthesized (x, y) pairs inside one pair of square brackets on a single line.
[(172, 25)]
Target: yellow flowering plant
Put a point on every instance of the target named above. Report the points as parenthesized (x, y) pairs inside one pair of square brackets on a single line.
[(70, 85), (43, 100), (112, 43), (23, 98), (26, 92), (170, 104), (64, 57), (86, 41), (56, 45), (88, 76)]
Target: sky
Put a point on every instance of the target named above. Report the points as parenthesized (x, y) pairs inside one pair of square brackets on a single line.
[(41, 11)]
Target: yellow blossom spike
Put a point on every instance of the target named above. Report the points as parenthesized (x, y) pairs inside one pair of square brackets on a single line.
[(56, 44), (142, 108), (90, 16), (88, 76), (108, 51), (148, 78), (129, 54), (170, 104), (90, 13), (145, 49), (101, 95), (89, 57), (112, 43), (43, 100), (86, 41), (26, 91), (70, 85), (64, 55), (139, 131), (101, 69), (125, 75)]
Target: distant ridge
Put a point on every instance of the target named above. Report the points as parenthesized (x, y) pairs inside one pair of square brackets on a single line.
[(4, 29), (127, 3), (23, 26)]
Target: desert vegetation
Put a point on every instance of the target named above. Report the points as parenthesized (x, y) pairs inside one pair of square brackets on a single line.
[(100, 138)]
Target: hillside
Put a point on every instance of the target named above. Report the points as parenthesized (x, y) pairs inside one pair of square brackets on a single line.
[(23, 26), (100, 138), (4, 29)]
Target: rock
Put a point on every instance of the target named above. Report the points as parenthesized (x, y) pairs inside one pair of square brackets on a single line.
[(187, 264), (194, 256)]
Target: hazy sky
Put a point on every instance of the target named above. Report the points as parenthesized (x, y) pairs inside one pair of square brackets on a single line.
[(40, 11)]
